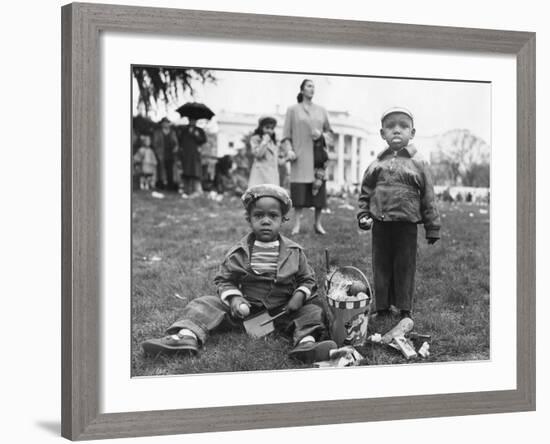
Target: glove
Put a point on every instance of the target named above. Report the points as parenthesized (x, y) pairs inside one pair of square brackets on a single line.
[(296, 302), (235, 304), (365, 223)]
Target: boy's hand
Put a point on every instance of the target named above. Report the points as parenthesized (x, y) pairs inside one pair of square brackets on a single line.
[(365, 223), (296, 301), (432, 240), (291, 155), (236, 310)]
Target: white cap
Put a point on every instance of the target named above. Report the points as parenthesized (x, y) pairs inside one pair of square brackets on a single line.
[(396, 109)]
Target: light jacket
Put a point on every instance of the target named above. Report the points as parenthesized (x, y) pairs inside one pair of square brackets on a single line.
[(236, 277), (265, 168), (397, 186)]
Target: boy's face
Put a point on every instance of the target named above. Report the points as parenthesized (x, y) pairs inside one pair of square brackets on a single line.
[(265, 218), (397, 130), (146, 141)]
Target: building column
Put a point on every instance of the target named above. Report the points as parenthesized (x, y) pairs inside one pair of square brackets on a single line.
[(340, 160), (354, 143), (364, 156)]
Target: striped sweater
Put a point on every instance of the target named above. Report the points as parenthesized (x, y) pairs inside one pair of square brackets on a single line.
[(264, 258)]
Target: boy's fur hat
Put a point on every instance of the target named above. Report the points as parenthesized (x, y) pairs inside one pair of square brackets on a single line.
[(267, 190)]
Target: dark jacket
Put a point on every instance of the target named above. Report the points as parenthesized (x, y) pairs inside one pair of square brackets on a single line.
[(397, 186), (190, 140), (164, 147), (236, 277)]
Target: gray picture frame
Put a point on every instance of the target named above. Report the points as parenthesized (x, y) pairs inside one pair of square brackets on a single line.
[(81, 172)]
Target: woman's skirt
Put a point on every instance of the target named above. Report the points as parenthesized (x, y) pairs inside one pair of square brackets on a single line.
[(302, 196)]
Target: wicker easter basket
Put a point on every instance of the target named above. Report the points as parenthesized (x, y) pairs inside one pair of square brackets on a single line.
[(349, 314)]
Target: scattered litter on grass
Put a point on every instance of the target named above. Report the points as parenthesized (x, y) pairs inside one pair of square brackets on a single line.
[(443, 215), (346, 207), (483, 211), (326, 211), (215, 196), (471, 214), (155, 258), (177, 295), (376, 338), (424, 350), (403, 327), (185, 196), (157, 195), (342, 357)]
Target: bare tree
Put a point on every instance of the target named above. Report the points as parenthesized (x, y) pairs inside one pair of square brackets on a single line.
[(463, 156)]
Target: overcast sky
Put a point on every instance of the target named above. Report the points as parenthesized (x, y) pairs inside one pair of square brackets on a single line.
[(438, 106)]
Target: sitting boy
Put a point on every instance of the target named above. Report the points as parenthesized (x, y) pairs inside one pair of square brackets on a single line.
[(264, 270)]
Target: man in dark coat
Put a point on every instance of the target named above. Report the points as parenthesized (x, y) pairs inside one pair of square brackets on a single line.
[(165, 144), (190, 139)]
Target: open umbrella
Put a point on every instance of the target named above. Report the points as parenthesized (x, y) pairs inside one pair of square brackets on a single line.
[(195, 110)]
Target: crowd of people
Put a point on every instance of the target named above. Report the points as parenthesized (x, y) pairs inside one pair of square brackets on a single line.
[(161, 152), (297, 162)]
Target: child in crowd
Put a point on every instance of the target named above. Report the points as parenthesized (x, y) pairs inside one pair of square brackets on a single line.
[(226, 181), (397, 194), (147, 164), (267, 156), (264, 270)]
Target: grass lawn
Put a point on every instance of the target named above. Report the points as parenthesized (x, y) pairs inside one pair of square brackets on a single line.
[(178, 244)]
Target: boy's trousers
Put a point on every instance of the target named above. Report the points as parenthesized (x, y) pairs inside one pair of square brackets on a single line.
[(394, 264), (208, 313)]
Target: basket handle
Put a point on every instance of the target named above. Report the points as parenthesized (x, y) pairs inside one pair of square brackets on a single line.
[(351, 267)]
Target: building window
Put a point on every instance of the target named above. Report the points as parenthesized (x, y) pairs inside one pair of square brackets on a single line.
[(330, 171), (347, 145), (332, 148)]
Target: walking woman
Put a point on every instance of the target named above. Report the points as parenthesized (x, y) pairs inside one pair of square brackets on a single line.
[(305, 128)]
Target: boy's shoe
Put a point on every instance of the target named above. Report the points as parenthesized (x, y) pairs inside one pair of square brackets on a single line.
[(309, 352), (384, 313), (405, 314), (169, 344)]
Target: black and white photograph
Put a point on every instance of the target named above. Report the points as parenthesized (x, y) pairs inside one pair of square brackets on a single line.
[(285, 220)]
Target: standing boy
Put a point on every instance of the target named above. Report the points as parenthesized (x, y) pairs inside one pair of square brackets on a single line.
[(397, 194)]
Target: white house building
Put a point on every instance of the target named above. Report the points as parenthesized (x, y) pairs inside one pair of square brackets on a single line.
[(353, 147)]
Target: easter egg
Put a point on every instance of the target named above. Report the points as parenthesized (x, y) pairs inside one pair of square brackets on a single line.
[(356, 287), (244, 309)]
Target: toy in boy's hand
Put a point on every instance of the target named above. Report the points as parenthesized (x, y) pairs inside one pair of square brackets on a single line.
[(432, 240), (237, 303), (365, 223), (244, 310)]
